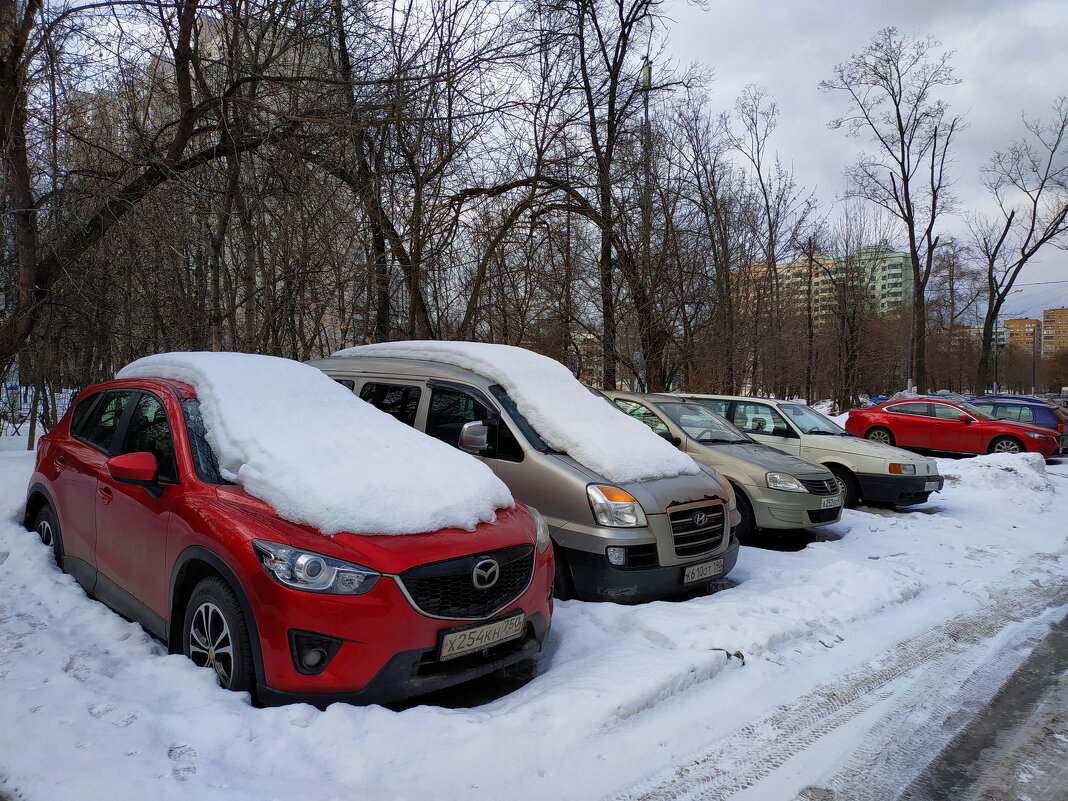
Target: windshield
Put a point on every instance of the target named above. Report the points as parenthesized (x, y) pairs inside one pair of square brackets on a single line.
[(809, 420), (204, 461), (525, 427), (701, 424)]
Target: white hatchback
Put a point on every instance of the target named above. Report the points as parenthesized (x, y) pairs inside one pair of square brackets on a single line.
[(866, 470)]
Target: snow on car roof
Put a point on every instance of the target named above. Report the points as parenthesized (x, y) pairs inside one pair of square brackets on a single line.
[(301, 442), (566, 414)]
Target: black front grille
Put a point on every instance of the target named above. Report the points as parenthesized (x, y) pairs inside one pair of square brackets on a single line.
[(642, 555), (694, 535), (823, 515), (823, 486), (447, 589)]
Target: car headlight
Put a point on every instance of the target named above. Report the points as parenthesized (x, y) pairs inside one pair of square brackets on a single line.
[(901, 469), (1034, 435), (313, 572), (615, 507), (784, 481), (543, 528)]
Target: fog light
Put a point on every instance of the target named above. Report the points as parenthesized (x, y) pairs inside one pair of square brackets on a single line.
[(617, 555), (312, 652)]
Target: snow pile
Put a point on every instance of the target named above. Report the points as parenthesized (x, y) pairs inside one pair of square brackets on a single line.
[(567, 416), (80, 687), (1021, 478), (319, 455)]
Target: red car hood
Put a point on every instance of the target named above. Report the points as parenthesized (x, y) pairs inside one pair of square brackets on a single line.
[(386, 553)]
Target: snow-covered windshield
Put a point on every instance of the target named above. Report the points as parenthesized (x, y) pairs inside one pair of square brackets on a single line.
[(701, 424), (809, 420), (299, 441), (565, 415)]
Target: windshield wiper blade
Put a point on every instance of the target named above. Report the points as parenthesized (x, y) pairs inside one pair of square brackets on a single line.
[(824, 432), (718, 440)]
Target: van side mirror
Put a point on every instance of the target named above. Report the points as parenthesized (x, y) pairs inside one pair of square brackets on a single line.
[(475, 437)]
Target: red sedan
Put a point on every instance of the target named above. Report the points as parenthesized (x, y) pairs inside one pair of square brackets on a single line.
[(944, 426), (128, 493)]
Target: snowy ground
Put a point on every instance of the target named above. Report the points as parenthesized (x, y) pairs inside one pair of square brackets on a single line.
[(845, 643)]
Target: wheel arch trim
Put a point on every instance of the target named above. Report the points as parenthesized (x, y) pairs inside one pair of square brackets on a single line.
[(198, 553)]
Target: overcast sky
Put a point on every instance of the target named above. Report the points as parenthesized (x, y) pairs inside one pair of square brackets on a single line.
[(1012, 58)]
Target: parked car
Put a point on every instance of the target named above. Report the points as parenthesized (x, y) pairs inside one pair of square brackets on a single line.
[(1022, 410), (944, 426), (130, 495), (774, 490), (868, 471), (647, 537)]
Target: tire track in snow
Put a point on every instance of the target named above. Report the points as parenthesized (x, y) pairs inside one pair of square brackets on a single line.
[(756, 750)]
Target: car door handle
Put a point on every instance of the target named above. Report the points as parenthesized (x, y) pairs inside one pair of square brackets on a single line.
[(106, 495)]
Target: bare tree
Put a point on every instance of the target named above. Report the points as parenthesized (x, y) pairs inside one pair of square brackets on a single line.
[(1029, 183), (892, 88)]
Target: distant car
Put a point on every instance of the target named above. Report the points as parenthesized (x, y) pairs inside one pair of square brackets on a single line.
[(876, 474), (944, 426), (1035, 412), (774, 490), (128, 493)]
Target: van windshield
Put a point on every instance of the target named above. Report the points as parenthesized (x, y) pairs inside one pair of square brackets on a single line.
[(524, 427)]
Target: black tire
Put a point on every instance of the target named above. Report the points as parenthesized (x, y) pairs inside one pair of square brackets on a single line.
[(847, 483), (563, 587), (747, 525), (1006, 445), (47, 527), (880, 434), (214, 634)]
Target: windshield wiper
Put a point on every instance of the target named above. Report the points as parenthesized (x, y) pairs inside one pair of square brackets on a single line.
[(720, 440), (825, 432)]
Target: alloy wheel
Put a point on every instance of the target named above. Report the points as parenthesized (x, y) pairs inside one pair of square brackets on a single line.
[(1007, 446), (879, 436), (44, 531), (210, 643)]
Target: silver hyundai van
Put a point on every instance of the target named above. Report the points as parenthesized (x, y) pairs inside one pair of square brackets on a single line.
[(617, 541)]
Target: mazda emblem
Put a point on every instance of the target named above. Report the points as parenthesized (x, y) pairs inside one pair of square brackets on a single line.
[(699, 519), (485, 574)]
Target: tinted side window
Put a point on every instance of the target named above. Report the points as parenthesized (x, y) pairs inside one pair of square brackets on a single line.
[(396, 399), (758, 418), (81, 412), (642, 413), (911, 408), (150, 431), (943, 412), (100, 426), (449, 410), (347, 383), (718, 406)]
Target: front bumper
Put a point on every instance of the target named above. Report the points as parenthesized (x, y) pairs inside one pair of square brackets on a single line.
[(387, 648), (418, 671), (895, 489), (781, 509), (596, 580)]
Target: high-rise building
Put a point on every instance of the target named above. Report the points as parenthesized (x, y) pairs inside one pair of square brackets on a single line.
[(1054, 332), (1025, 333)]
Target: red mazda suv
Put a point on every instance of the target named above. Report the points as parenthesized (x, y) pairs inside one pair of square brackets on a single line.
[(943, 426), (128, 493)]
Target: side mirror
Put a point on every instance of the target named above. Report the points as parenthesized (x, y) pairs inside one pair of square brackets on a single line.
[(964, 418), (475, 437), (135, 468), (671, 438)]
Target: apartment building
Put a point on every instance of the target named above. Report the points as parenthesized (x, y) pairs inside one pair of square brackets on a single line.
[(1025, 334), (1054, 332)]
